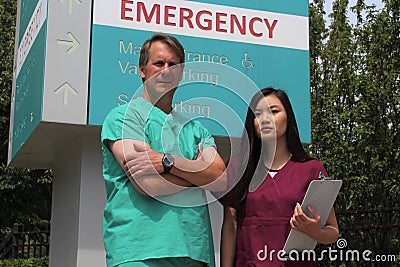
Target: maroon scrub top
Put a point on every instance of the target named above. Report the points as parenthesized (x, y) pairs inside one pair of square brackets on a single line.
[(263, 220)]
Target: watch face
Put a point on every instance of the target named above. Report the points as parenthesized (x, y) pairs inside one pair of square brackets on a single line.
[(168, 160)]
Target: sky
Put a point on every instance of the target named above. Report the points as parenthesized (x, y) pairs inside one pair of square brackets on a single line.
[(328, 8)]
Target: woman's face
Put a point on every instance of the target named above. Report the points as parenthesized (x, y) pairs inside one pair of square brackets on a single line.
[(270, 120)]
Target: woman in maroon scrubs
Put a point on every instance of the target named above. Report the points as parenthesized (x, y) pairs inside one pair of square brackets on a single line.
[(263, 206)]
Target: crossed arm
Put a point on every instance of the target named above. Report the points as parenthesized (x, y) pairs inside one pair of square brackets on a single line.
[(144, 169)]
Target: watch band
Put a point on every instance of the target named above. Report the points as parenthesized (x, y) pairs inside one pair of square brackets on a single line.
[(168, 162)]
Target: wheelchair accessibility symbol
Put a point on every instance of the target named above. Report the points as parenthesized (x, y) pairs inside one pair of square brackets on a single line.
[(246, 62)]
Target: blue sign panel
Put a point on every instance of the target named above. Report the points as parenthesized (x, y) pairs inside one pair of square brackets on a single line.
[(28, 94), (232, 49)]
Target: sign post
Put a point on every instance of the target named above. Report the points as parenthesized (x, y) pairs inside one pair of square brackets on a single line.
[(77, 59)]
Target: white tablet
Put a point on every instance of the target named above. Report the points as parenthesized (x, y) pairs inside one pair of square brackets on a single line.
[(320, 195)]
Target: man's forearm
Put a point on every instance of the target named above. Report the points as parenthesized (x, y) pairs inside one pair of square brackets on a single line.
[(209, 175), (152, 183), (207, 171), (159, 185)]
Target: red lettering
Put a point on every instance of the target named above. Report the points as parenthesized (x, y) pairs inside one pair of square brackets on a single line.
[(218, 21), (270, 27), (124, 9), (168, 15), (187, 18), (251, 27), (208, 22), (235, 21), (142, 8)]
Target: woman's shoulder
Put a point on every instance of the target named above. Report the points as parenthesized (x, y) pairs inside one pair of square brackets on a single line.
[(312, 165), (311, 162)]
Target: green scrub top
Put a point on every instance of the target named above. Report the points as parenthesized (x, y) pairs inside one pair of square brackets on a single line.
[(138, 227)]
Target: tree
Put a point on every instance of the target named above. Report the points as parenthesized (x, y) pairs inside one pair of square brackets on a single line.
[(355, 99), (355, 103)]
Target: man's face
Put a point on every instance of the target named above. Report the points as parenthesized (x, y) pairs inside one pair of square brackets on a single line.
[(160, 75)]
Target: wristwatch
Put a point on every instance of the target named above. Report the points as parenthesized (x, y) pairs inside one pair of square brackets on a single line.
[(168, 162)]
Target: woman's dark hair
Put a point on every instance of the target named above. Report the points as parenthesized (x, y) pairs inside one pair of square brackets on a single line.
[(251, 144)]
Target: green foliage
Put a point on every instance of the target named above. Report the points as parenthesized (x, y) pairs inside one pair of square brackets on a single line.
[(32, 262), (355, 100), (355, 97), (25, 196)]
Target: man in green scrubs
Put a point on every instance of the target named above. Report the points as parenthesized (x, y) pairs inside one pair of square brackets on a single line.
[(156, 164)]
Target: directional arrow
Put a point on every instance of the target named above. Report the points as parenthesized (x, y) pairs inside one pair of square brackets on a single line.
[(70, 4), (73, 43), (66, 88)]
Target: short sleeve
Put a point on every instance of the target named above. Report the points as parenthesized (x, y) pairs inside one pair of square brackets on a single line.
[(324, 171), (206, 138), (316, 168), (112, 124), (122, 123)]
